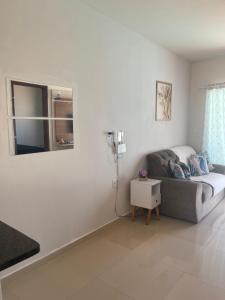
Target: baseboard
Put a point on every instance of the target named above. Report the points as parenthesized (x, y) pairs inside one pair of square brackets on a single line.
[(43, 259)]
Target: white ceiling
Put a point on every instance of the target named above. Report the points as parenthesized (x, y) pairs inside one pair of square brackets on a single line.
[(194, 29)]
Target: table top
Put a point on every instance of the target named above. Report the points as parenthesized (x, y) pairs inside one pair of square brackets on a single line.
[(147, 181), (15, 246)]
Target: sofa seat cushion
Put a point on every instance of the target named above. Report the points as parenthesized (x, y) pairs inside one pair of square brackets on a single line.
[(215, 180)]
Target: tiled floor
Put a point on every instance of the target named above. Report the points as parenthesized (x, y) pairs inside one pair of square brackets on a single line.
[(167, 260)]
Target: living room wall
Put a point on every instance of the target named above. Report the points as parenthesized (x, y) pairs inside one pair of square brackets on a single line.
[(57, 197), (202, 73)]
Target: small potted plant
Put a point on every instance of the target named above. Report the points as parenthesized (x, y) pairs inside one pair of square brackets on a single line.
[(143, 174)]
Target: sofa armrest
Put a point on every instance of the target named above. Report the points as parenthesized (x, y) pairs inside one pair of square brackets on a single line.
[(219, 169), (181, 198)]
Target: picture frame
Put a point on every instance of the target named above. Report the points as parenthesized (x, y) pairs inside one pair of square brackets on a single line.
[(163, 101)]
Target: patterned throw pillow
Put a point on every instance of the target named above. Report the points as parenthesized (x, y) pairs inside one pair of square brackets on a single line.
[(186, 170), (206, 155), (194, 165), (176, 170), (203, 165), (198, 165)]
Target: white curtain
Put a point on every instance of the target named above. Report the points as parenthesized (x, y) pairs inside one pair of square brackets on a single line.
[(214, 126)]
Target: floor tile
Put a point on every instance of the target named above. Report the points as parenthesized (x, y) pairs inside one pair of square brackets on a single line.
[(136, 277), (218, 241), (172, 250), (97, 290), (211, 267), (197, 233), (189, 287), (51, 281), (216, 218), (206, 263), (8, 295), (127, 233), (92, 256)]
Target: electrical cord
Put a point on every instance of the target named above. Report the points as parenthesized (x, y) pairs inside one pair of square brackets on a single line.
[(112, 144), (117, 185)]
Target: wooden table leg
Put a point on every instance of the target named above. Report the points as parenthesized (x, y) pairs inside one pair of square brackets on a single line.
[(148, 219), (142, 211), (1, 297), (157, 212), (133, 215)]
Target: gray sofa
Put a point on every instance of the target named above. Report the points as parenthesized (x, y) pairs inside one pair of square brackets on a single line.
[(183, 199)]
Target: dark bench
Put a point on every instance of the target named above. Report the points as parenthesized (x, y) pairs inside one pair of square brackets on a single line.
[(14, 247)]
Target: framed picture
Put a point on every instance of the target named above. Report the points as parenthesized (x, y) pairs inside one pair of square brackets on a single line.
[(163, 101)]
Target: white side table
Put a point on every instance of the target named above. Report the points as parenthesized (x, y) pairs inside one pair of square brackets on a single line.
[(145, 194)]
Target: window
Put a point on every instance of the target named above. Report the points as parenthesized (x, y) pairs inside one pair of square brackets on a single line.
[(40, 118), (214, 127)]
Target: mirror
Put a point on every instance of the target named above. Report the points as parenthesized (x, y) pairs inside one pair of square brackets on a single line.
[(40, 118)]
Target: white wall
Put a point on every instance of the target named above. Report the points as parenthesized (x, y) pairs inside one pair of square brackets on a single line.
[(56, 197), (202, 73)]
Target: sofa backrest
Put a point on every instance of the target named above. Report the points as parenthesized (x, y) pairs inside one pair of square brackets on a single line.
[(157, 162), (183, 152)]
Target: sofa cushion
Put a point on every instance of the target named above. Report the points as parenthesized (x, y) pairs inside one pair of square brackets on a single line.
[(158, 162), (176, 170), (179, 170), (198, 165), (206, 155), (183, 152), (186, 170)]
